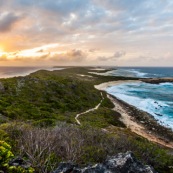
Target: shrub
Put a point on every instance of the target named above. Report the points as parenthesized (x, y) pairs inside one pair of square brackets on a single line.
[(5, 156), (45, 123), (46, 147)]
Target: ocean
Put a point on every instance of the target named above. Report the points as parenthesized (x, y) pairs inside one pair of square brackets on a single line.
[(6, 72), (156, 99)]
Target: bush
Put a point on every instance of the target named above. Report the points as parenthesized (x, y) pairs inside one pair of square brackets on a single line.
[(45, 123), (46, 147), (5, 156)]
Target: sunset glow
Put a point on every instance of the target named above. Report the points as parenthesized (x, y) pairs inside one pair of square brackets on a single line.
[(93, 32)]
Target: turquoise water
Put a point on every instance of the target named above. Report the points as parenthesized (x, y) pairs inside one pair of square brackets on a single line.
[(156, 99), (145, 72)]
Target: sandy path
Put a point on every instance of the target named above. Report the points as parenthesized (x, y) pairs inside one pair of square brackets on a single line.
[(128, 120), (89, 110)]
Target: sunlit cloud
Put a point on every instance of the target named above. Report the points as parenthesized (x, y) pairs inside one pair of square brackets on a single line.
[(87, 32)]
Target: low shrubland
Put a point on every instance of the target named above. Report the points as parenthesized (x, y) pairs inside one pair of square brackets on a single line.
[(37, 120), (45, 148)]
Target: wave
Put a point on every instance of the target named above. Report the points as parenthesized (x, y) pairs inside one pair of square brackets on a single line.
[(144, 72), (128, 73), (140, 96)]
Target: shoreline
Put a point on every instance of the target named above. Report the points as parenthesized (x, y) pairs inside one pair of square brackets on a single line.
[(105, 85), (138, 121)]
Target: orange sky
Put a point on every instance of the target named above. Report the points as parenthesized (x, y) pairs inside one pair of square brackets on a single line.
[(80, 32)]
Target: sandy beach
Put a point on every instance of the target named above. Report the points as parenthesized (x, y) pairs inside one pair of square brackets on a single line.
[(130, 121), (105, 85)]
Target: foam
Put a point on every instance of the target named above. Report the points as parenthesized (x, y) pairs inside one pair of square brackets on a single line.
[(150, 105)]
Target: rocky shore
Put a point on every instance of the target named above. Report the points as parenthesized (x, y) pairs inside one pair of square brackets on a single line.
[(157, 80), (150, 128), (139, 121)]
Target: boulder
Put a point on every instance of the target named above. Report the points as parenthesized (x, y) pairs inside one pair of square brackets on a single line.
[(120, 163), (18, 161)]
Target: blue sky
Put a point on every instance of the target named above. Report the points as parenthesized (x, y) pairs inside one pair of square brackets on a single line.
[(86, 32)]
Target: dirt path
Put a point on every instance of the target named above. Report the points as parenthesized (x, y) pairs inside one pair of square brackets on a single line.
[(89, 110)]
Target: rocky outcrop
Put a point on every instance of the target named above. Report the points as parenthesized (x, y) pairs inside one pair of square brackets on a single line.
[(121, 163), (157, 80)]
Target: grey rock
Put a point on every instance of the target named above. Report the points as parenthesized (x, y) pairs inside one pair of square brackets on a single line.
[(121, 163), (18, 161)]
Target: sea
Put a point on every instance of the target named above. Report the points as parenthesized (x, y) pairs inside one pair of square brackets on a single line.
[(7, 72), (156, 99)]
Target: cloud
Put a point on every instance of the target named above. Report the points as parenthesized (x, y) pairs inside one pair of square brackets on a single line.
[(74, 55), (119, 54), (104, 25), (7, 21), (116, 55)]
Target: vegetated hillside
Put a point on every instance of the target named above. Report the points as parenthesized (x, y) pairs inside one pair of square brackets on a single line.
[(46, 95), (46, 98)]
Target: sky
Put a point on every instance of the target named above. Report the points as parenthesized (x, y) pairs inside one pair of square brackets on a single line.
[(86, 32)]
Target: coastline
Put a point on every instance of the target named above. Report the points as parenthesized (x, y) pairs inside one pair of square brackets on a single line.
[(105, 85), (138, 121)]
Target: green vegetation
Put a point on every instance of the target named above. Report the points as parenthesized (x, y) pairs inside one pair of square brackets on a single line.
[(46, 95), (82, 145), (102, 118), (5, 156), (37, 119)]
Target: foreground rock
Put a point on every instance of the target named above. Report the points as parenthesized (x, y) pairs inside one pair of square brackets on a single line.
[(19, 162), (121, 163)]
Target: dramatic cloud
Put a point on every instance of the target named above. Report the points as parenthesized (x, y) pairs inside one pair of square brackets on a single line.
[(114, 57), (71, 56), (92, 28), (7, 20)]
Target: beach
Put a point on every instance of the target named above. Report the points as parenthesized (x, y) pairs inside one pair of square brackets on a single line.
[(105, 85), (139, 121)]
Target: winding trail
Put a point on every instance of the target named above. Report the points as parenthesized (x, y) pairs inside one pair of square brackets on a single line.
[(89, 110)]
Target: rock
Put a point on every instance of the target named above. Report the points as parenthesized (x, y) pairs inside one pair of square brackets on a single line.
[(158, 114), (19, 162), (121, 163)]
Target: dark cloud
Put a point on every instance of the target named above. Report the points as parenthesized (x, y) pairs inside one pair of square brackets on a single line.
[(72, 55), (119, 54), (7, 20), (92, 50), (114, 57), (84, 24)]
